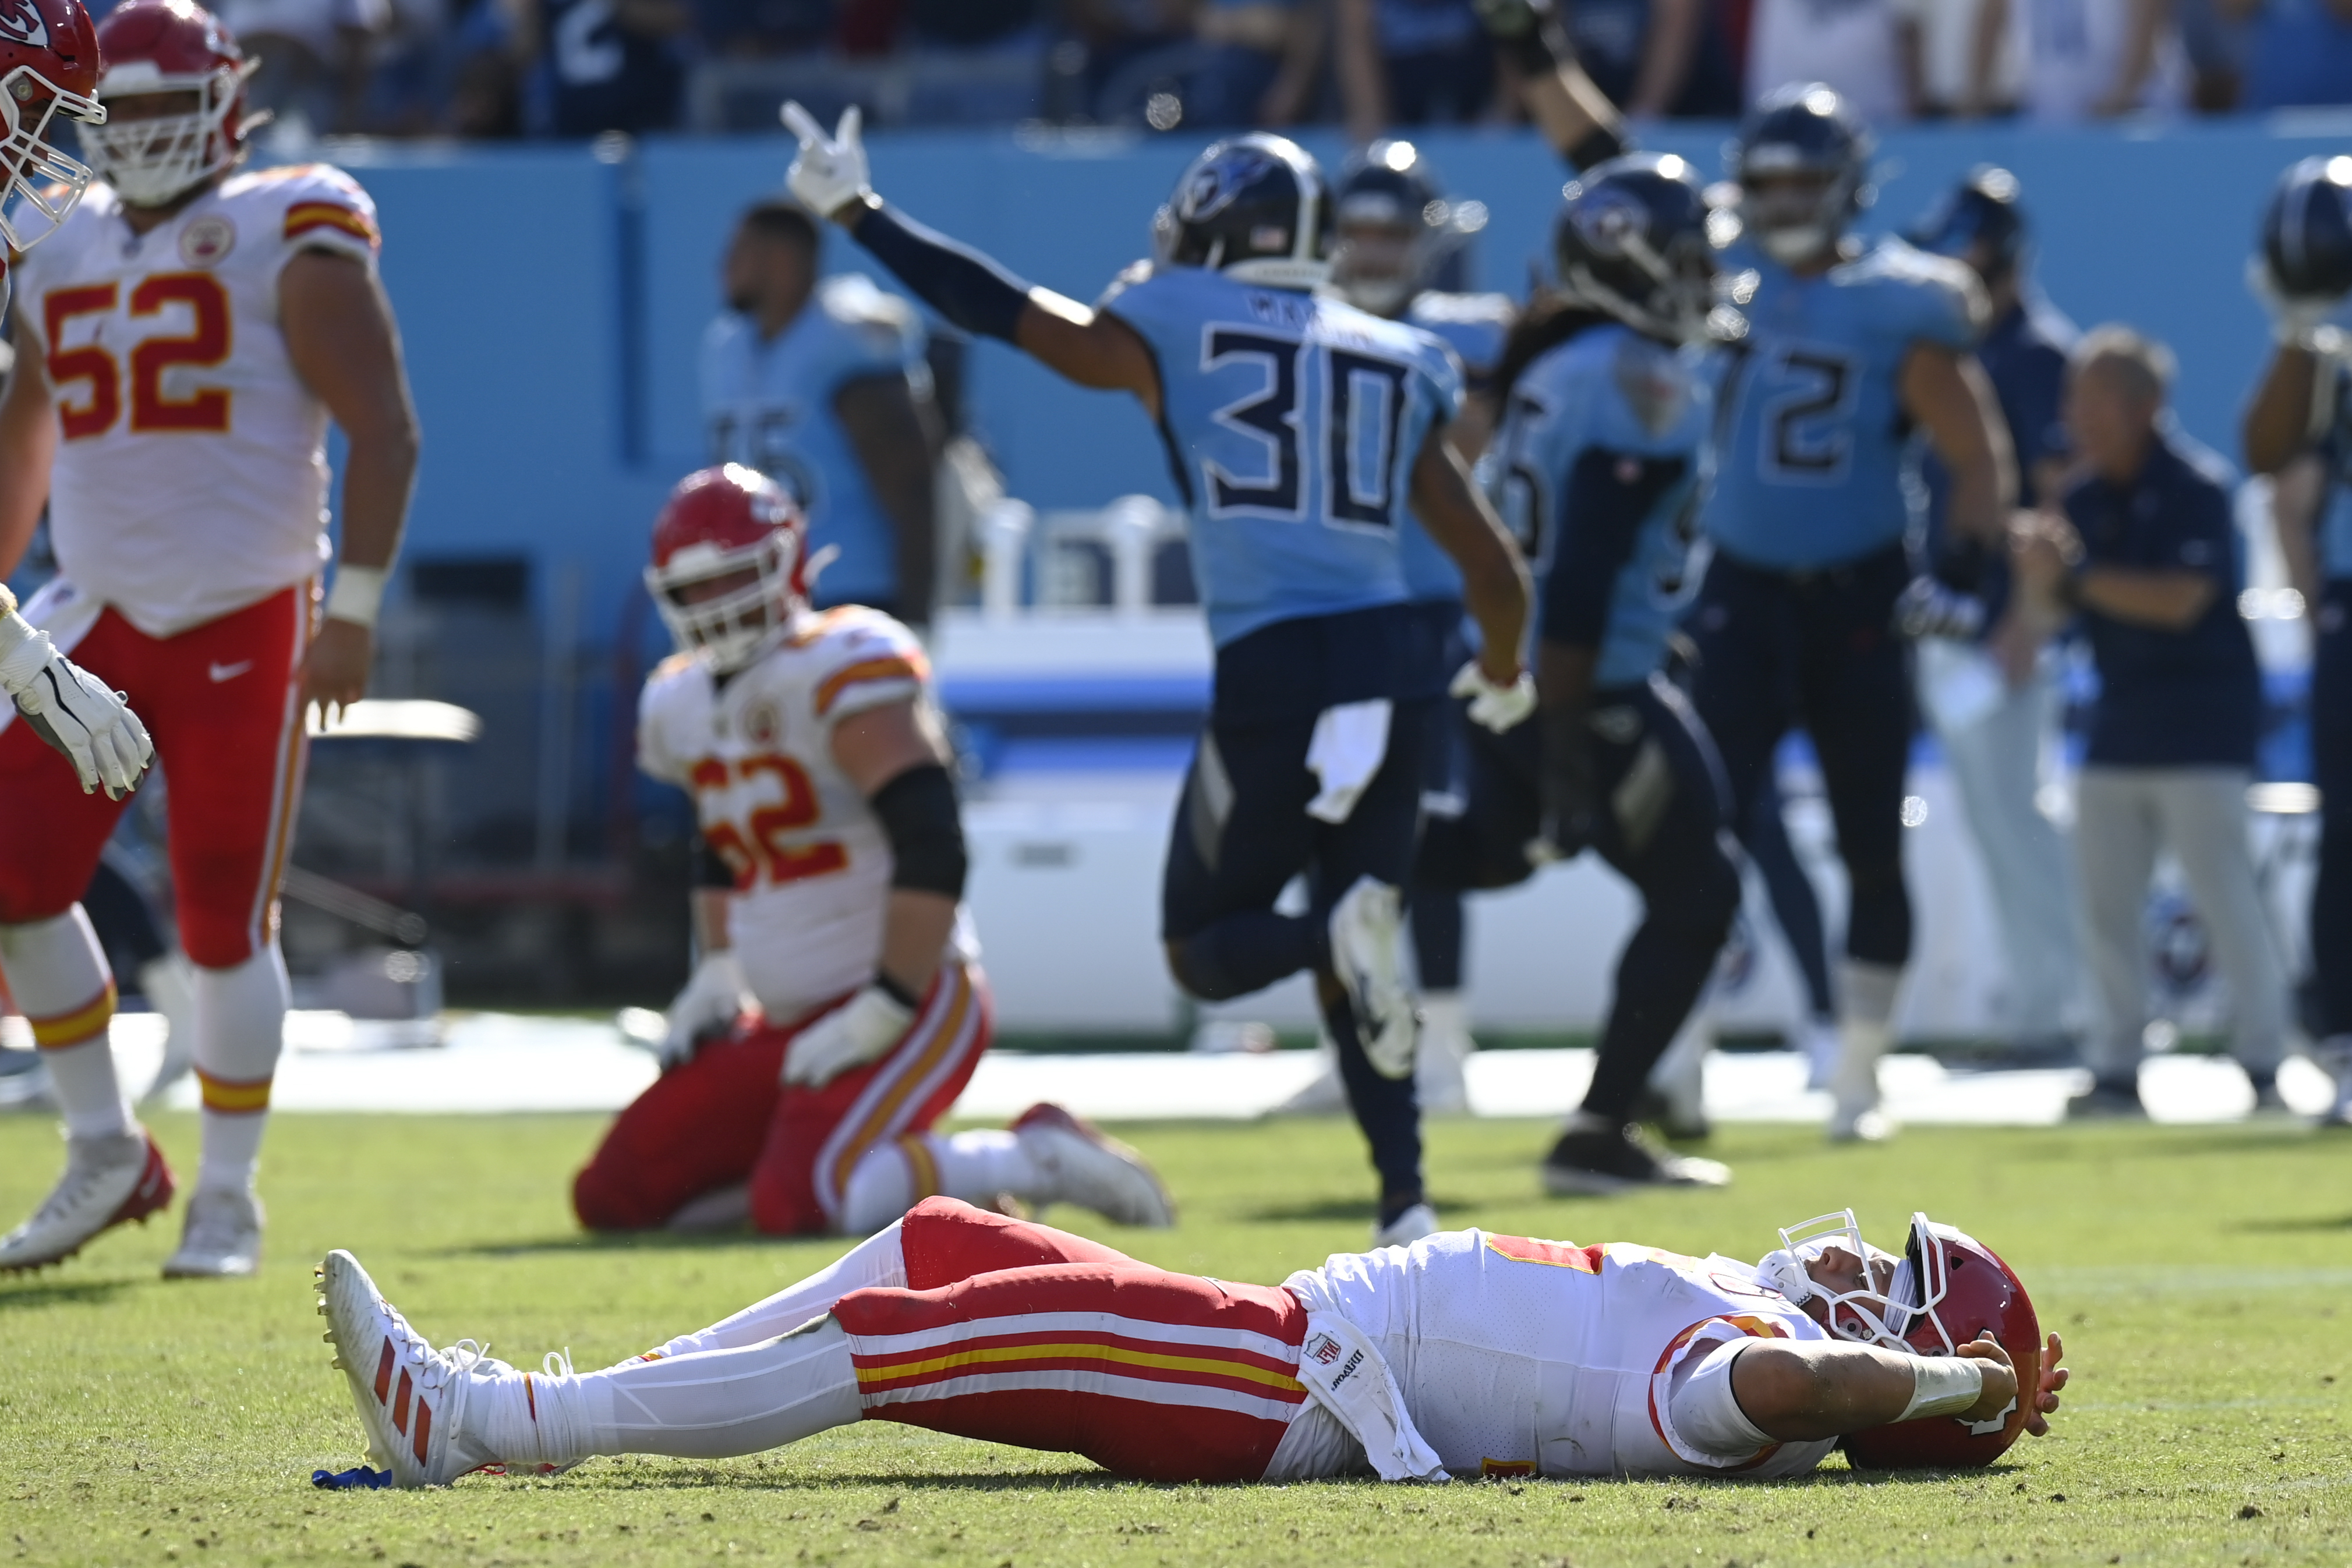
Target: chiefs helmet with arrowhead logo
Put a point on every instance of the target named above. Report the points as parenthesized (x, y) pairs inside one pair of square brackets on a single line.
[(1945, 1289), (177, 47), (48, 67), (731, 563)]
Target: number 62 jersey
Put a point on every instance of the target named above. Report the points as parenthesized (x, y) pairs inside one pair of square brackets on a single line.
[(811, 861), (190, 471)]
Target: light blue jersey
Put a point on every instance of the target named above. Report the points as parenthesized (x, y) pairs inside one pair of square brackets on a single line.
[(1599, 464), (770, 405), (1810, 465), (1475, 326), (1292, 421)]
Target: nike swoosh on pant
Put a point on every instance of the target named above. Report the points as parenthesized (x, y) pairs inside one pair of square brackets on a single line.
[(230, 672)]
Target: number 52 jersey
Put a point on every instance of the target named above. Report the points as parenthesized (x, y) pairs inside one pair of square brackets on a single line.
[(190, 471), (811, 862)]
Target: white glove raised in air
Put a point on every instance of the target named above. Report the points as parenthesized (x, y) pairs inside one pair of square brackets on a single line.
[(2298, 320), (851, 1035), (1498, 707), (714, 998), (829, 172), (92, 726)]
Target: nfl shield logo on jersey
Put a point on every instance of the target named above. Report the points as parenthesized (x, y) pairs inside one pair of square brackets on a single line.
[(1320, 1349)]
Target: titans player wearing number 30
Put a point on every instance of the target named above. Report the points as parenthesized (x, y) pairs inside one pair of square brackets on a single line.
[(184, 338), (1850, 344), (1299, 428)]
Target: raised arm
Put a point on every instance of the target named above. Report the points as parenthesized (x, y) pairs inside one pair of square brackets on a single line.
[(1576, 117), (975, 293)]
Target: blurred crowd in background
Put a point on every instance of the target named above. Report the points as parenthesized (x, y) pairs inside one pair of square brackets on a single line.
[(569, 68)]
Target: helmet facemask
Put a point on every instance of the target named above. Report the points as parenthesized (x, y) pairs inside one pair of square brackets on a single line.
[(151, 160), (41, 183), (1801, 209), (1915, 1282), (736, 625)]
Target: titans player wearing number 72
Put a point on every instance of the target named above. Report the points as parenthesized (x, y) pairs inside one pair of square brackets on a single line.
[(182, 342), (1299, 429)]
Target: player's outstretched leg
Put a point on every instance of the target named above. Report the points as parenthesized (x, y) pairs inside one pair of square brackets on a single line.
[(114, 1172)]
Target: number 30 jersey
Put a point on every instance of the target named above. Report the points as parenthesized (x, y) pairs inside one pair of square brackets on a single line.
[(1292, 421), (811, 860), (1810, 471), (191, 470)]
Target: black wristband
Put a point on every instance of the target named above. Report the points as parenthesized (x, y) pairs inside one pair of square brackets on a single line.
[(1600, 144), (895, 992), (968, 288)]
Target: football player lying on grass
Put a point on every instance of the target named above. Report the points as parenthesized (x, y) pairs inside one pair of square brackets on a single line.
[(1463, 1354)]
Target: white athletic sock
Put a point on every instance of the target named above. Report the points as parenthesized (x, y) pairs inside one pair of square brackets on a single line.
[(891, 1179), (879, 1260), (1866, 995), (240, 1029), (58, 973), (714, 1406)]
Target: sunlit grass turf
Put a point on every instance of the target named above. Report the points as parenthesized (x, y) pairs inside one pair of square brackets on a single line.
[(2197, 1275)]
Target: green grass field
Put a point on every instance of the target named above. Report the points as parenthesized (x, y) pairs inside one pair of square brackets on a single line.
[(2197, 1275)]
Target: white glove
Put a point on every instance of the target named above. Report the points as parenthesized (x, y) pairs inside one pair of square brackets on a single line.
[(829, 172), (851, 1035), (2297, 321), (91, 727), (714, 998), (1498, 707)]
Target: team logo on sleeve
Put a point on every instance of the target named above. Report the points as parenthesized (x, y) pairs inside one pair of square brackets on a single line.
[(21, 22), (207, 241)]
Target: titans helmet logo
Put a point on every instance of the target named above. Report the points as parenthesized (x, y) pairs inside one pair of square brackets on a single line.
[(1215, 184), (21, 23), (1608, 220)]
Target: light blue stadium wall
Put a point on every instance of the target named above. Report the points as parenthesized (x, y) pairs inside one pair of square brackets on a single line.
[(557, 383)]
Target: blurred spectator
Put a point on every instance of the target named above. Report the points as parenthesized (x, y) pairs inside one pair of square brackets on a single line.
[(2147, 554), (314, 57), (610, 65), (2300, 54), (1654, 58), (1868, 50), (487, 57), (1987, 686), (1971, 59), (2215, 35), (1203, 64), (752, 27), (2096, 59), (1409, 62), (823, 386)]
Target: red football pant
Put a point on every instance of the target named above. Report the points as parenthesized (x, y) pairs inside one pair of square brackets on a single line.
[(1161, 1376), (224, 703), (723, 1119)]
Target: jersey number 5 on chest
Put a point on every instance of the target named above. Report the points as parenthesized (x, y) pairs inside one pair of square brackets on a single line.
[(751, 844), (207, 342)]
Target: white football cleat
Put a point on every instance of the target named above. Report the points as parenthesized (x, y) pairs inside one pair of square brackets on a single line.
[(1860, 1122), (411, 1398), (107, 1181), (223, 1236), (1408, 1228), (1086, 1167), (1365, 926)]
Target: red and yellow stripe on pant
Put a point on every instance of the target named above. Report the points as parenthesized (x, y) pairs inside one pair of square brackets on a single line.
[(1161, 1376), (62, 1031)]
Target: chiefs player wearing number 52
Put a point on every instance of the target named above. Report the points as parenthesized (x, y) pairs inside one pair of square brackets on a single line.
[(837, 1010), (182, 342)]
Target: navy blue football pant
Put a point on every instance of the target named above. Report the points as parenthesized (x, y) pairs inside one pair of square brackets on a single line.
[(1439, 928), (1242, 832), (1818, 650), (2331, 765), (1660, 827)]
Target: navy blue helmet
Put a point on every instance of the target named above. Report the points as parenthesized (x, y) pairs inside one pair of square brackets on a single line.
[(1404, 228), (1804, 128), (1254, 206), (2307, 230), (1985, 209), (1635, 239)]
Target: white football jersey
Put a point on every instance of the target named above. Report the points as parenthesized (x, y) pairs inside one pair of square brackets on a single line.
[(812, 862), (1525, 1357), (191, 473)]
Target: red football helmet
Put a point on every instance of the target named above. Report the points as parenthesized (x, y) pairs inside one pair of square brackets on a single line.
[(170, 46), (48, 66), (730, 563), (1947, 1289)]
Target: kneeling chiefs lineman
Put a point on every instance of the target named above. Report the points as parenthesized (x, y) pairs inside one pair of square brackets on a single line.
[(839, 974), (1465, 1353)]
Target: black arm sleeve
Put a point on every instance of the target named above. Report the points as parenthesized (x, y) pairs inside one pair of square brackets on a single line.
[(919, 812), (960, 284), (1609, 494)]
